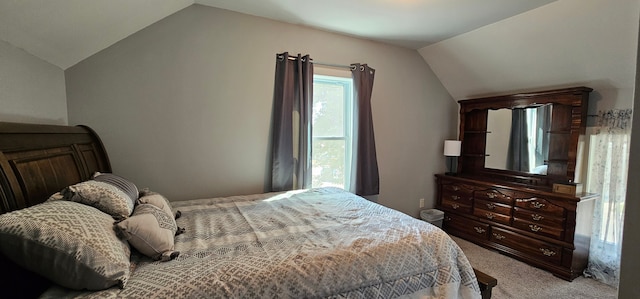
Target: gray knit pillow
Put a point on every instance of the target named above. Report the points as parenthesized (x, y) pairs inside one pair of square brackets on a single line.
[(107, 192), (71, 244)]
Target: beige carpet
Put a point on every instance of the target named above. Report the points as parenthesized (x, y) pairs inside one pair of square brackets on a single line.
[(519, 280)]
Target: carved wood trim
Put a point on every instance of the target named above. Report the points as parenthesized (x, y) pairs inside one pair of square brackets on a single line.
[(569, 122)]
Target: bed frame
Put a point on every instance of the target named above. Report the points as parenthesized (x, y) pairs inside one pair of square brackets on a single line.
[(39, 160), (35, 162)]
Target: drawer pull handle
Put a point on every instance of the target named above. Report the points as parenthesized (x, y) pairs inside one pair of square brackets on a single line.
[(537, 205), (491, 195), (491, 206), (455, 188), (490, 215), (534, 228), (455, 197), (547, 252), (498, 236), (455, 206), (537, 217), (479, 230), (447, 218)]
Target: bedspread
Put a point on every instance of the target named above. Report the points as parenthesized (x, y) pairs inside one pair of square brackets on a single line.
[(316, 243)]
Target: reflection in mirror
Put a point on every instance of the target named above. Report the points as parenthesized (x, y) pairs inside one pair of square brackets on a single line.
[(518, 139)]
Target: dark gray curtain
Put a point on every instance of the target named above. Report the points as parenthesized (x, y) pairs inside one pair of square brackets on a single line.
[(518, 153), (367, 181), (291, 135)]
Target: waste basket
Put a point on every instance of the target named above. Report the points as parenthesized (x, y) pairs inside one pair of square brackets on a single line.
[(432, 216)]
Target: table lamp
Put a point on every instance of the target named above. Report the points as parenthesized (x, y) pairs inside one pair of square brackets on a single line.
[(451, 150)]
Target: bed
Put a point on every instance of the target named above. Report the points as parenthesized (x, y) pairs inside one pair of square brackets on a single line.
[(312, 243)]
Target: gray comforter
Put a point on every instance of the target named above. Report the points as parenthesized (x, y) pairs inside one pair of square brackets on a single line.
[(317, 243)]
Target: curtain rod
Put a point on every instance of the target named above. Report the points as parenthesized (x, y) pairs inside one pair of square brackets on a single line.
[(323, 63), (334, 65)]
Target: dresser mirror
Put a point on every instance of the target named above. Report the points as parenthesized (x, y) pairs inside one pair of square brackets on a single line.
[(518, 139), (492, 148)]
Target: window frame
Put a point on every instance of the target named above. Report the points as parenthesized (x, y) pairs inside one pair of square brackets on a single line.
[(344, 79)]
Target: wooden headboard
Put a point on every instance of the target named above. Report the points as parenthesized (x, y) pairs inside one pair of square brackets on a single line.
[(35, 162), (39, 160)]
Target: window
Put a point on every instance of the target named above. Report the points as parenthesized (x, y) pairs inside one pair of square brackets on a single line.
[(539, 122), (332, 131), (534, 140)]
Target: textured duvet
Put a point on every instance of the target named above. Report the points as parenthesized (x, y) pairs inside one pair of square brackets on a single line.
[(317, 243)]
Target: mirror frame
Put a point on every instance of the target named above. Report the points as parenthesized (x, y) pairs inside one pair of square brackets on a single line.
[(567, 124)]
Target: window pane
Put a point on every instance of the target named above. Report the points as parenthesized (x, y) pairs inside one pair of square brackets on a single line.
[(328, 109), (328, 163)]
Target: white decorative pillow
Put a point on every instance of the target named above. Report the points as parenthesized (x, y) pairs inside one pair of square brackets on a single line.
[(151, 229), (107, 192), (155, 199), (159, 201), (71, 244)]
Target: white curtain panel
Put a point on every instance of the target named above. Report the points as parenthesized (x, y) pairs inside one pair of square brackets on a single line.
[(607, 176)]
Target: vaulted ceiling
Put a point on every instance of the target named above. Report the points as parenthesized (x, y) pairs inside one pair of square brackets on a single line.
[(65, 32)]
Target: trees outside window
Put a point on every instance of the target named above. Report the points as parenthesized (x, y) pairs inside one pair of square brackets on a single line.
[(331, 127)]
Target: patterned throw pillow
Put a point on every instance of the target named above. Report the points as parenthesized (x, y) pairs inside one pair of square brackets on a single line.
[(152, 227), (71, 244), (107, 192)]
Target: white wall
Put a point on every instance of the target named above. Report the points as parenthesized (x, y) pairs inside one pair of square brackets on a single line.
[(564, 43), (184, 106), (499, 126), (630, 261), (31, 90)]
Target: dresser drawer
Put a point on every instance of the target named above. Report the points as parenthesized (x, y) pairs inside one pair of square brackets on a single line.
[(495, 207), (538, 217), (456, 197), (458, 188), (457, 206), (495, 195), (459, 225), (492, 215), (553, 232), (537, 249), (540, 205), (465, 198)]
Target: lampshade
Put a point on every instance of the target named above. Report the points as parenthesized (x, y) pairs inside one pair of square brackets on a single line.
[(452, 148)]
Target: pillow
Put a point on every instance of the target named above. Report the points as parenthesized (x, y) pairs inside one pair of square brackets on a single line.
[(152, 228), (159, 201), (71, 244), (109, 193), (121, 183), (155, 199)]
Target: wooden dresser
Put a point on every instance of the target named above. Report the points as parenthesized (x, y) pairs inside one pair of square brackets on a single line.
[(502, 203), (544, 229)]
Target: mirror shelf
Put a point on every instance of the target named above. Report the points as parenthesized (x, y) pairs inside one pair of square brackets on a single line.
[(566, 122)]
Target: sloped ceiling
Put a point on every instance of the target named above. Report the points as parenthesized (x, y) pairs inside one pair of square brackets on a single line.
[(550, 47), (65, 32)]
